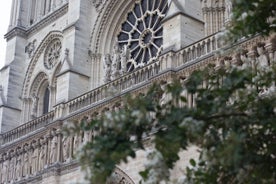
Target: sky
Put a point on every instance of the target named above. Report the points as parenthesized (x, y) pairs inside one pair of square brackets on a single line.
[(5, 8)]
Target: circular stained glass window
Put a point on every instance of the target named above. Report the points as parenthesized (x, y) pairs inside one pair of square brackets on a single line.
[(142, 32), (52, 54)]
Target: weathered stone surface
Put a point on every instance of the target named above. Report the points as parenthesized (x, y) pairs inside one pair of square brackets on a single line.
[(61, 68)]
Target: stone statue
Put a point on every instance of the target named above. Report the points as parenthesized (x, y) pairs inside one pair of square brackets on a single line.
[(26, 165), (125, 56), (4, 171), (107, 68), (34, 161), (116, 60), (262, 59), (244, 59), (53, 151), (87, 136), (66, 148), (42, 155), (165, 96), (30, 48), (18, 168), (34, 105), (228, 8), (76, 144), (12, 169)]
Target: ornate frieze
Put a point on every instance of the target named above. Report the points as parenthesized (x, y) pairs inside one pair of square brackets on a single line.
[(23, 157), (98, 4)]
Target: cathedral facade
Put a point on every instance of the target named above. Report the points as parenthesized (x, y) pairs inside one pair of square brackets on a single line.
[(68, 61)]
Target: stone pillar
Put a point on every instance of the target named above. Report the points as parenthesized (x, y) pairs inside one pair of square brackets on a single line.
[(214, 15)]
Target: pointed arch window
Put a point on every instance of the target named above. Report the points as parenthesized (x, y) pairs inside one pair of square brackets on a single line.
[(46, 101)]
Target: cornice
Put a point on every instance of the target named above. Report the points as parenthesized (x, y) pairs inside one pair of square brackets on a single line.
[(25, 32)]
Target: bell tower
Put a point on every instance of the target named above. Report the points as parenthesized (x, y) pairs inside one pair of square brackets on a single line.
[(46, 59)]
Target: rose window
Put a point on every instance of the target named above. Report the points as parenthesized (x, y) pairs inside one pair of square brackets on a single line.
[(142, 32), (52, 54)]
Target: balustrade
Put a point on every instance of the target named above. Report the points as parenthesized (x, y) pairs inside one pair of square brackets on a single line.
[(171, 60)]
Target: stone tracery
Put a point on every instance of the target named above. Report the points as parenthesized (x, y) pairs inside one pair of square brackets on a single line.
[(142, 32), (52, 54)]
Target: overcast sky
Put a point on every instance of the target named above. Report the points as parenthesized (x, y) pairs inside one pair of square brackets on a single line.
[(5, 8)]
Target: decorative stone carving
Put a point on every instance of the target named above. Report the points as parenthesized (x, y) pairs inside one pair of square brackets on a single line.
[(142, 31), (30, 48), (98, 4), (26, 165), (40, 50), (166, 97), (119, 177), (116, 60), (76, 144), (18, 166), (87, 136), (66, 142), (228, 8), (34, 161), (4, 171), (125, 56), (107, 68), (244, 59), (42, 157), (262, 59), (53, 150), (11, 174), (66, 64), (34, 106), (52, 54)]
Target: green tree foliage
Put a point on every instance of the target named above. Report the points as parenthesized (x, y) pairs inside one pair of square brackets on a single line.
[(251, 17), (233, 122)]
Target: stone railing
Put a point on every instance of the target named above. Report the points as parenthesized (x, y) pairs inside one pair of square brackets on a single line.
[(119, 85), (27, 128), (171, 60), (190, 53), (42, 150), (165, 62)]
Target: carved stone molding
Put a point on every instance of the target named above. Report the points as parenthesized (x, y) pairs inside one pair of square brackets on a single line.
[(24, 32), (31, 67), (119, 177)]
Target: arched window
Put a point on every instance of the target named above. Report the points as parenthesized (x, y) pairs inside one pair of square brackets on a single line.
[(46, 101)]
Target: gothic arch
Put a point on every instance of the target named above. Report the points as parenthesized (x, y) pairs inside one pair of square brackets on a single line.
[(112, 13), (38, 81), (120, 177), (38, 53), (36, 94)]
